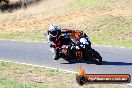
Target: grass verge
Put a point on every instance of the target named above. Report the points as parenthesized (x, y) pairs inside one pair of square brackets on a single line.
[(14, 75), (108, 22)]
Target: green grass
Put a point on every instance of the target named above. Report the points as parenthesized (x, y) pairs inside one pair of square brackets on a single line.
[(6, 83), (22, 36), (27, 76), (110, 30), (14, 75), (97, 4)]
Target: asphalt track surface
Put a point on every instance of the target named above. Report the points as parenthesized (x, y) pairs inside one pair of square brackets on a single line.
[(115, 60)]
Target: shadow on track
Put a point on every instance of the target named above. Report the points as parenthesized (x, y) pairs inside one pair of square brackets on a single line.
[(115, 63), (74, 62), (103, 63)]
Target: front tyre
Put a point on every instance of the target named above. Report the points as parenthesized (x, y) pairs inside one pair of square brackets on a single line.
[(97, 59)]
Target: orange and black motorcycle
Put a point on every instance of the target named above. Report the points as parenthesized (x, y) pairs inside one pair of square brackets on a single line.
[(67, 48), (71, 55)]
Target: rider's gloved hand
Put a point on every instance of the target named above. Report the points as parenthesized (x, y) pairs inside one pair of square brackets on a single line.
[(52, 46)]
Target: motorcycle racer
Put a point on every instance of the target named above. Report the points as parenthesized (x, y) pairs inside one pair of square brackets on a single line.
[(60, 37), (53, 33)]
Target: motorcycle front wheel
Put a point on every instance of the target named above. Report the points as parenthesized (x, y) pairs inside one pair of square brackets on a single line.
[(97, 59), (93, 56)]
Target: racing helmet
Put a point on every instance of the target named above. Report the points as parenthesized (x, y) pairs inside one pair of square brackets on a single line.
[(51, 27), (53, 30)]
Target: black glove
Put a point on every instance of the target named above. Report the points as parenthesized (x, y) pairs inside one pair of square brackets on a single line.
[(52, 46)]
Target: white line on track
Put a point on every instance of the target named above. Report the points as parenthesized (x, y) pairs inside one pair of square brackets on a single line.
[(127, 85), (42, 66)]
